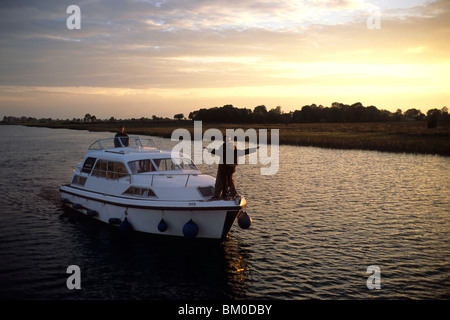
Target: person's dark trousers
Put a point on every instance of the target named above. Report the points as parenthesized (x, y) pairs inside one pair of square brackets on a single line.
[(221, 182)]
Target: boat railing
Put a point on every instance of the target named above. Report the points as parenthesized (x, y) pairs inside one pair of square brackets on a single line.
[(154, 177), (150, 178), (122, 142)]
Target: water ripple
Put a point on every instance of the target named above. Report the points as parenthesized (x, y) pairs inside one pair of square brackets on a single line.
[(317, 225)]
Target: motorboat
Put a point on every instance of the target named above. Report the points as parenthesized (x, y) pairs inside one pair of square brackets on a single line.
[(129, 183)]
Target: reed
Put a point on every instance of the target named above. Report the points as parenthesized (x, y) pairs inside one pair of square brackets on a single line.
[(409, 137)]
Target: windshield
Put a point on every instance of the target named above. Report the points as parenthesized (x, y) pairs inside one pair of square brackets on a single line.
[(164, 164), (186, 164), (141, 166)]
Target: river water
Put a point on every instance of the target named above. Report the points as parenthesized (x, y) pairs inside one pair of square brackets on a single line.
[(318, 224)]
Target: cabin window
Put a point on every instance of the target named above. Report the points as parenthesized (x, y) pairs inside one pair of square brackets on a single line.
[(141, 166), (110, 170), (186, 164), (140, 192), (165, 164), (88, 165), (206, 191), (79, 180)]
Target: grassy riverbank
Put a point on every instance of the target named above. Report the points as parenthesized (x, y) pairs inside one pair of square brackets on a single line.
[(409, 137)]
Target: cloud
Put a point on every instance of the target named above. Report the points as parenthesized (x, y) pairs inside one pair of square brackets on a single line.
[(216, 45)]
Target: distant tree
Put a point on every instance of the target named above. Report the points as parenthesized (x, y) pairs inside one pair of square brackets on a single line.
[(357, 105), (286, 117), (372, 114), (227, 114), (445, 115), (179, 116), (260, 109), (337, 105), (444, 110), (433, 116), (398, 115), (359, 112), (414, 114), (87, 117), (274, 115), (347, 111), (335, 114), (259, 114), (312, 113), (244, 115), (297, 116)]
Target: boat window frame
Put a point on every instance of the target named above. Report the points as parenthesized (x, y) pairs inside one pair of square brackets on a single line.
[(143, 163), (177, 163), (79, 180), (172, 164), (162, 165), (88, 165), (102, 169), (185, 162)]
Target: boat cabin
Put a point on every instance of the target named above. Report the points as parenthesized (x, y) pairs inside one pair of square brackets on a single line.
[(137, 170)]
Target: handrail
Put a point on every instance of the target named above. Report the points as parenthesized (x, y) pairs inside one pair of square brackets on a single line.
[(169, 175), (121, 142)]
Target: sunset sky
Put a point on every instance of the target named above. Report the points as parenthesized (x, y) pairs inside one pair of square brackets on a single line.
[(138, 58)]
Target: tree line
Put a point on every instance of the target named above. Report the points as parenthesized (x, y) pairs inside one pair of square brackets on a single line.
[(88, 118), (336, 113)]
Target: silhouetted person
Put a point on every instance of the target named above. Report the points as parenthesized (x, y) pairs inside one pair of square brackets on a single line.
[(121, 138), (225, 186)]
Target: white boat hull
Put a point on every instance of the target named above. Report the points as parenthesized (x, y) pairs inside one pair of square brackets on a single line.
[(213, 218)]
